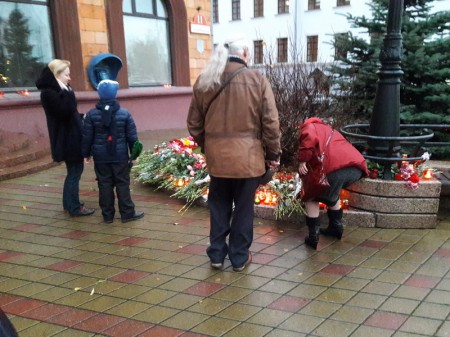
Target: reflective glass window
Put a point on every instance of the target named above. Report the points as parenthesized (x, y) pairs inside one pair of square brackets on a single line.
[(26, 42), (147, 44)]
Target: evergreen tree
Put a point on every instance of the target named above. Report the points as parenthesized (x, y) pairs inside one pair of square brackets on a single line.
[(425, 89), (22, 65)]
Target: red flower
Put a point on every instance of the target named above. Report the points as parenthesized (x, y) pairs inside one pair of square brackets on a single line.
[(414, 178), (398, 176), (373, 174)]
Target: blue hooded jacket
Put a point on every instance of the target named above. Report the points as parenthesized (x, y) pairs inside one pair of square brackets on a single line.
[(109, 133)]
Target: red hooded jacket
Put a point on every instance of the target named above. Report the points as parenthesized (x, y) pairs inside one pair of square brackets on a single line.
[(339, 154)]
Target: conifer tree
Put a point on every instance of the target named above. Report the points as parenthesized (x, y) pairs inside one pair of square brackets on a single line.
[(425, 88), (21, 65)]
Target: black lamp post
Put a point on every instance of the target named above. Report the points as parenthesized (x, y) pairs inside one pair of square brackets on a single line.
[(385, 120)]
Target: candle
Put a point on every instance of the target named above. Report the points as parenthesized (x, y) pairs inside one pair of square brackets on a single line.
[(274, 198), (262, 195), (23, 92), (404, 156), (427, 174)]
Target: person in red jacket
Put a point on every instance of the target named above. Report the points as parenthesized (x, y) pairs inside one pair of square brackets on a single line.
[(343, 165)]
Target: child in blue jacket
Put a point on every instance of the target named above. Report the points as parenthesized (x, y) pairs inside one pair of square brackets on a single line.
[(109, 133)]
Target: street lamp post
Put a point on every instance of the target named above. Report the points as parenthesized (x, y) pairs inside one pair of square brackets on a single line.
[(385, 120)]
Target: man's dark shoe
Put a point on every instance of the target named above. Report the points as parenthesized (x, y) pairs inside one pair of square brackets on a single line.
[(83, 212), (108, 220), (137, 215), (249, 260)]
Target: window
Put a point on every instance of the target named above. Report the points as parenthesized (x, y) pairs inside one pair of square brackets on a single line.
[(340, 41), (343, 2), (312, 48), (283, 6), (215, 11), (26, 43), (313, 4), (258, 51), (235, 9), (282, 50), (258, 8), (146, 27)]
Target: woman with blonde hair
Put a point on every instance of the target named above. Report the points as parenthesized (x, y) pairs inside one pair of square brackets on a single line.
[(64, 129)]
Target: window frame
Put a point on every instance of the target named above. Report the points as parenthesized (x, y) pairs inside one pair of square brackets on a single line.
[(283, 7), (258, 8), (312, 48), (339, 53), (235, 10), (67, 40), (282, 50), (258, 52), (313, 5), (154, 15), (340, 3), (56, 45), (179, 48), (215, 11)]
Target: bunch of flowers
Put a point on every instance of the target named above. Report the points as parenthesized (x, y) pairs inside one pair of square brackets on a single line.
[(179, 166), (412, 173), (286, 186), (176, 165), (406, 171), (409, 175)]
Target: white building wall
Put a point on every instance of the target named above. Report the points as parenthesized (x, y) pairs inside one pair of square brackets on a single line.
[(297, 24), (269, 28)]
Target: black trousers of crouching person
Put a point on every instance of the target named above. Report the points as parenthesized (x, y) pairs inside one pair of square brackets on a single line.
[(237, 222), (110, 176)]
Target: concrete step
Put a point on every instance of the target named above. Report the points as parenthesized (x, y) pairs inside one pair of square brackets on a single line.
[(12, 141), (22, 154), (26, 168)]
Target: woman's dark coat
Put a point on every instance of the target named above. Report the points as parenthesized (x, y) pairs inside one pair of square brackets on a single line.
[(63, 120)]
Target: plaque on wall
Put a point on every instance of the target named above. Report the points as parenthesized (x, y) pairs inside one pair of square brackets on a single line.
[(199, 25)]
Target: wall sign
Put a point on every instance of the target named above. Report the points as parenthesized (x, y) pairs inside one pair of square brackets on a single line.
[(199, 25)]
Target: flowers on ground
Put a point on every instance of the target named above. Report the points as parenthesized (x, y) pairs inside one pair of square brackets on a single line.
[(176, 165), (179, 166), (410, 172), (285, 187)]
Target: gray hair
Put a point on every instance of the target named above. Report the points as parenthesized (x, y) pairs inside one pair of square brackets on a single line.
[(211, 75)]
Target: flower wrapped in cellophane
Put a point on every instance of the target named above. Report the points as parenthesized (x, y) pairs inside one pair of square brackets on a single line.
[(176, 165)]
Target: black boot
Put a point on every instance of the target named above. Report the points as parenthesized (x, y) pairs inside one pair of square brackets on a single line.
[(335, 227), (313, 237)]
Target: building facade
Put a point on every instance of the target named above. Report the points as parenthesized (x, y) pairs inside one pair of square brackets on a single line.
[(279, 27), (161, 55)]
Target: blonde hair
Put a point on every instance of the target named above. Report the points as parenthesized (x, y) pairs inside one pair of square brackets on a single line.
[(58, 66), (211, 75)]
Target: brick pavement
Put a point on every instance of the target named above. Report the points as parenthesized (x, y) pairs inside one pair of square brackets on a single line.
[(62, 276)]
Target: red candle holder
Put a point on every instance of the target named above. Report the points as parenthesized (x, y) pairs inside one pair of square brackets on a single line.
[(427, 174), (23, 92)]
